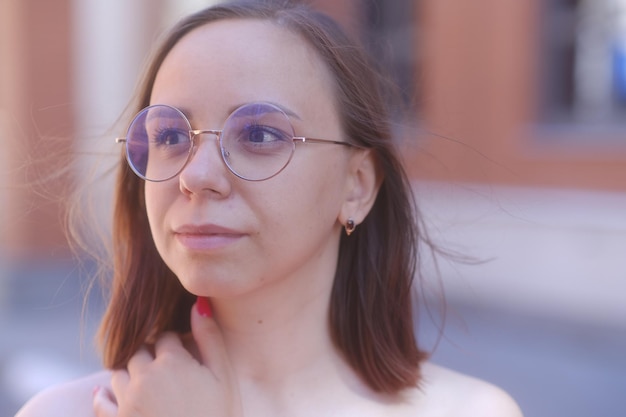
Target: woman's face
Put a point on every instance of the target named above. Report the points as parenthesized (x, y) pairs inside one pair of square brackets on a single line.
[(224, 236)]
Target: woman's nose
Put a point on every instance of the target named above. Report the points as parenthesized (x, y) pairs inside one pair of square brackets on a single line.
[(205, 171)]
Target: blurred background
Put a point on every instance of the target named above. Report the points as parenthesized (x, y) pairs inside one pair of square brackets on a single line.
[(515, 141)]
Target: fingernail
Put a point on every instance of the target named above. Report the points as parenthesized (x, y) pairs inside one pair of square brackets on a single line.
[(204, 307)]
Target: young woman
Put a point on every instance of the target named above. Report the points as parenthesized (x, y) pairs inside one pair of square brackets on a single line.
[(265, 241)]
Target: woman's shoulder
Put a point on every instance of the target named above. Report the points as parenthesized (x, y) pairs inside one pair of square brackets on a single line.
[(74, 398), (459, 395)]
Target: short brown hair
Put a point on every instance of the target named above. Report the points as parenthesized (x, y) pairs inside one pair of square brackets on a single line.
[(371, 310)]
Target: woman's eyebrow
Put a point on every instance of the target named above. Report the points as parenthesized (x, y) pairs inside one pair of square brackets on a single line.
[(285, 110), (189, 114)]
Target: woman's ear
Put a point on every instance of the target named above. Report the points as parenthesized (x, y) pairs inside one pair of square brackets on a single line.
[(362, 187)]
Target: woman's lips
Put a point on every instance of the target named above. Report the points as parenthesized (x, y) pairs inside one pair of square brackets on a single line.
[(206, 237)]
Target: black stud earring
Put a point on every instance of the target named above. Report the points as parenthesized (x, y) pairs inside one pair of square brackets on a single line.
[(350, 226)]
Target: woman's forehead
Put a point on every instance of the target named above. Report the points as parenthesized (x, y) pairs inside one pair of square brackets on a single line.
[(246, 41), (245, 60)]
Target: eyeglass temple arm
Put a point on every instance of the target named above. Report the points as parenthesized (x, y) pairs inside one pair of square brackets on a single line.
[(298, 138), (334, 142)]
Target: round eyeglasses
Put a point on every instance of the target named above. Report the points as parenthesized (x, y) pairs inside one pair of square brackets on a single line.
[(256, 143)]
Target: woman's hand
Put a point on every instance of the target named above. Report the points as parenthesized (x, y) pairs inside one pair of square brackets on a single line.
[(172, 382)]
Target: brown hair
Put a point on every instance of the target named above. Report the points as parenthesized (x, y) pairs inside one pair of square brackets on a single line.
[(371, 311)]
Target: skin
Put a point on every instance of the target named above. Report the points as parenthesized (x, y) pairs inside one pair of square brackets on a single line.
[(265, 350)]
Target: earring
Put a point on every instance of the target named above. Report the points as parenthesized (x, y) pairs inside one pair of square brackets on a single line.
[(350, 226)]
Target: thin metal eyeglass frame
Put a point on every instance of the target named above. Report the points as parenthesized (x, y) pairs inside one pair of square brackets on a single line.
[(193, 133)]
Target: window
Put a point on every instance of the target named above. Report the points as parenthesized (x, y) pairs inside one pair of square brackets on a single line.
[(389, 33), (583, 68)]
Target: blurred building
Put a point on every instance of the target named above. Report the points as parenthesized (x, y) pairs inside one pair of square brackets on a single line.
[(504, 93)]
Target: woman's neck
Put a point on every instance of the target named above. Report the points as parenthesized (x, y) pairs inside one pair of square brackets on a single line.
[(279, 346), (278, 331)]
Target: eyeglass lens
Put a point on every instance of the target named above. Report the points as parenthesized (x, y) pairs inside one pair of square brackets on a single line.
[(256, 142)]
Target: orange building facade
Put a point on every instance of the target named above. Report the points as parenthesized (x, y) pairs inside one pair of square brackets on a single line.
[(482, 87), (477, 79)]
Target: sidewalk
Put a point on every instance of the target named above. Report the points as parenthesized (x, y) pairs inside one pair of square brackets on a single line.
[(554, 253), (45, 338)]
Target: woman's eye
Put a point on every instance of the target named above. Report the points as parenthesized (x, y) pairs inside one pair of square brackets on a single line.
[(263, 134), (170, 137), (258, 136)]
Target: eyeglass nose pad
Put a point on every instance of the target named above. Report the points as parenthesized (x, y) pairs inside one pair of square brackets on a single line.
[(195, 143)]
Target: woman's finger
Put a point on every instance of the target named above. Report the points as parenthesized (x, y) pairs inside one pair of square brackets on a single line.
[(139, 360), (120, 380), (170, 343), (208, 338), (104, 404)]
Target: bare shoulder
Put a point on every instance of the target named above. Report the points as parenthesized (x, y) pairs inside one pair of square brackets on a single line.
[(73, 398), (452, 394)]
